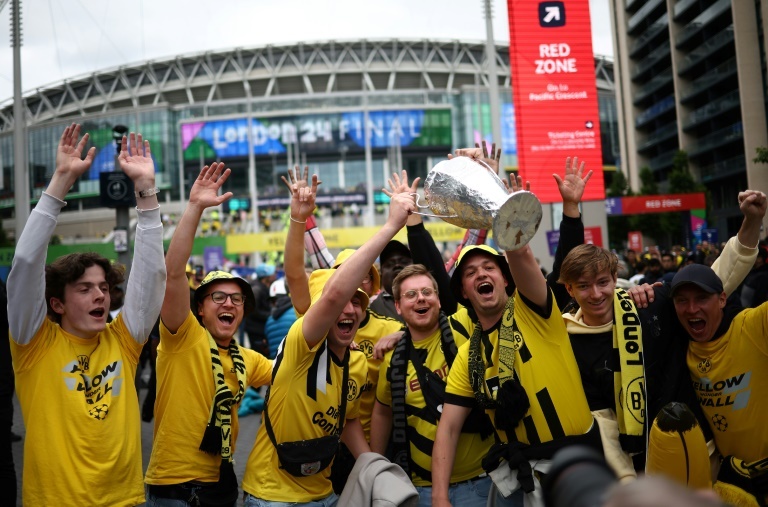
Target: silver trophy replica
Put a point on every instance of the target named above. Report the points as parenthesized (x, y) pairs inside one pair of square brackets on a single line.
[(469, 194)]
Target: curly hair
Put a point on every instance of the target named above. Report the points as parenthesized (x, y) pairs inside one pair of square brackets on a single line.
[(70, 268)]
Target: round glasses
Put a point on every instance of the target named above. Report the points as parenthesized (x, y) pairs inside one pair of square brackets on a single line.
[(219, 297), (411, 295)]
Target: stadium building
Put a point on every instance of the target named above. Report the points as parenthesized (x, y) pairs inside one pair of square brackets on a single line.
[(302, 103)]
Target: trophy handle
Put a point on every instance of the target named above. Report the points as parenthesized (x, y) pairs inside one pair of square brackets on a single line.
[(427, 206)]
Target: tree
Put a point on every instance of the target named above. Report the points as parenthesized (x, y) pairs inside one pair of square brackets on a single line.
[(762, 155)]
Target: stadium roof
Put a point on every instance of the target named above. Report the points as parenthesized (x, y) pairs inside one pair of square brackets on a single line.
[(262, 73)]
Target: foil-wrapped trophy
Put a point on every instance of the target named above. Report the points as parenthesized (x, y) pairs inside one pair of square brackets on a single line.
[(469, 194)]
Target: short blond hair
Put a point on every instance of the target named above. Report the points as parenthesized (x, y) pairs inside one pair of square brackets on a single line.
[(587, 260)]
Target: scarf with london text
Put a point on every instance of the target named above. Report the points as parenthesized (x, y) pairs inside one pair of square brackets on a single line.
[(218, 432), (629, 381)]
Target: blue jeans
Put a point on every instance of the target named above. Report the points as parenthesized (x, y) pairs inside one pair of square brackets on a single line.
[(472, 493), (329, 501)]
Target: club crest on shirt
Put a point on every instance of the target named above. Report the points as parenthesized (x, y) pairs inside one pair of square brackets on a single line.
[(704, 365), (366, 347), (310, 468), (351, 390)]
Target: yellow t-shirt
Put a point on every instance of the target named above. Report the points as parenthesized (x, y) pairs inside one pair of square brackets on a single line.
[(185, 392), (373, 327), (81, 412), (730, 377), (304, 403), (471, 448), (546, 368)]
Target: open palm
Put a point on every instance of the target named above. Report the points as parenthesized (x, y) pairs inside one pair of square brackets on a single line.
[(205, 190), (136, 159), (69, 153)]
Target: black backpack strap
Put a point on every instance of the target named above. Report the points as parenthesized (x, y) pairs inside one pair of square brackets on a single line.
[(342, 404), (398, 371)]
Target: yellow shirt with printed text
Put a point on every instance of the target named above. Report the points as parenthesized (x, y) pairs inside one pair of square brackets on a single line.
[(304, 403), (185, 392)]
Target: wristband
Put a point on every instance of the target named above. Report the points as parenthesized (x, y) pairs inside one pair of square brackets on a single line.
[(148, 192), (297, 221)]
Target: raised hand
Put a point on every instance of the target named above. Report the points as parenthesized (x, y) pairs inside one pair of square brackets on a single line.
[(136, 161), (752, 203), (401, 205), (492, 158), (205, 190), (69, 166), (302, 193), (480, 154), (572, 184), (516, 183), (400, 183), (69, 153)]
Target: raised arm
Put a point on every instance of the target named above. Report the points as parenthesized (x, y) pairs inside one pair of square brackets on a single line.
[(738, 256), (146, 283), (204, 194), (26, 282), (302, 206), (525, 269), (571, 187), (340, 288)]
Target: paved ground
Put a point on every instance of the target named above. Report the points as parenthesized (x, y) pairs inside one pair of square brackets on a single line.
[(248, 427)]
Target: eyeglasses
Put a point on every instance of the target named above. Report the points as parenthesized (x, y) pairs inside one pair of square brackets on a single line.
[(220, 298), (411, 295)]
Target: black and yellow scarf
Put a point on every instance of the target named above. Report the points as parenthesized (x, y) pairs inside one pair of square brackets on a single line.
[(508, 345), (216, 439)]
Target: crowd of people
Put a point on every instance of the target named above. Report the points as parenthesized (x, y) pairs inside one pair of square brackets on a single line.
[(410, 380)]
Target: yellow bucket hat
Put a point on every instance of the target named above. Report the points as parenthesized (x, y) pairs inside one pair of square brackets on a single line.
[(375, 276), (320, 277)]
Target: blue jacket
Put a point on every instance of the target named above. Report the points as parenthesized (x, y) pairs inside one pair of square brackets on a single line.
[(278, 323)]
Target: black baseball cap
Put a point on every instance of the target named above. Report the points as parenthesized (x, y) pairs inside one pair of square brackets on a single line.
[(701, 276), (392, 248)]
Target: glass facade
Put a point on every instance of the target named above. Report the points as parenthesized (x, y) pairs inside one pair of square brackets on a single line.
[(409, 130)]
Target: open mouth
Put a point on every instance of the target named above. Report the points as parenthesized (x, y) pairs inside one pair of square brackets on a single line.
[(227, 318), (696, 324), (98, 313), (485, 288), (345, 325), (422, 311)]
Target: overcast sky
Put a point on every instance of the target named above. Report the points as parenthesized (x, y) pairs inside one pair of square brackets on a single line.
[(67, 38)]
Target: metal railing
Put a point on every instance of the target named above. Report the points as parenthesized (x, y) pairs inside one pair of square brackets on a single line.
[(656, 83), (641, 14), (655, 110), (717, 138), (702, 20), (724, 103), (720, 170), (710, 78), (652, 31), (651, 59), (658, 136), (702, 52)]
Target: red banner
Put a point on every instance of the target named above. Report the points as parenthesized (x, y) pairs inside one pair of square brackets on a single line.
[(635, 241), (554, 92), (662, 203)]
